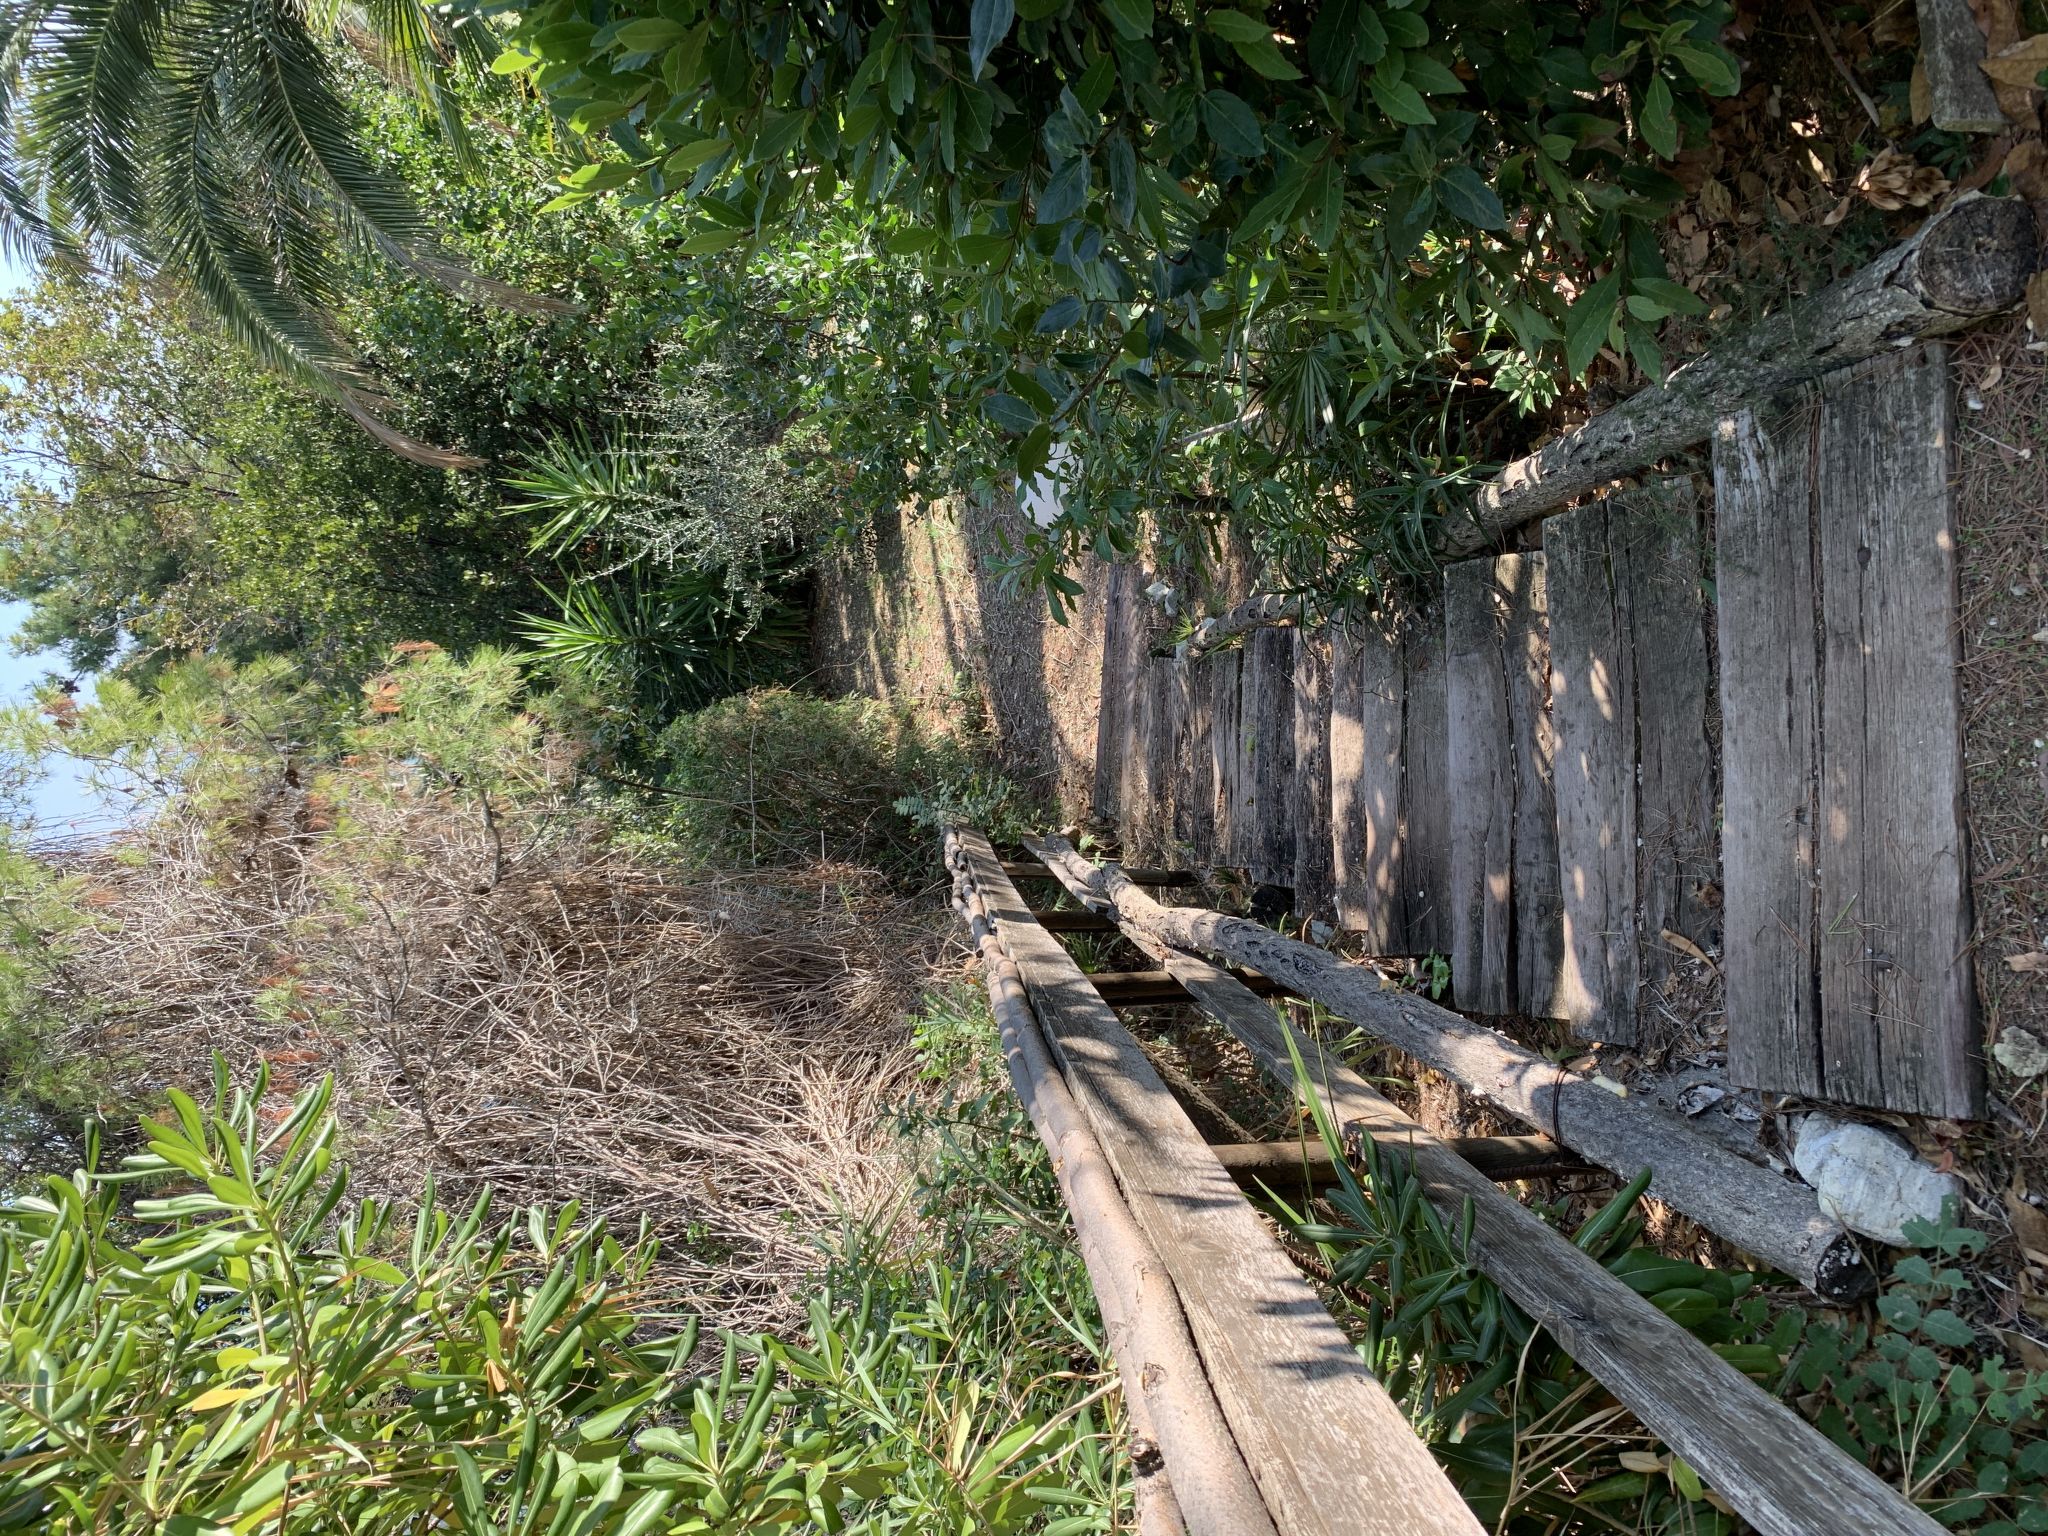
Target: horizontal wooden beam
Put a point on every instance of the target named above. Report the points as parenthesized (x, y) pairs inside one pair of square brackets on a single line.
[(1125, 989), (1137, 874), (1071, 922), (1503, 1159)]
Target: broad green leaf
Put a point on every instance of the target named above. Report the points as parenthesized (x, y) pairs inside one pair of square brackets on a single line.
[(1467, 196), (710, 242), (1405, 29), (1345, 35), (513, 61), (1672, 298), (690, 156), (1586, 326), (1401, 101), (1713, 67), (1233, 125), (1254, 43), (1131, 18), (1660, 128), (988, 24), (1009, 413), (649, 35), (1064, 195), (1059, 315)]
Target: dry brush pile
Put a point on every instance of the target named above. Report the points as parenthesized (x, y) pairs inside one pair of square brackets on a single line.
[(512, 996)]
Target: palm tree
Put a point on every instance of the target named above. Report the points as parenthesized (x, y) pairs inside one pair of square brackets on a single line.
[(212, 140)]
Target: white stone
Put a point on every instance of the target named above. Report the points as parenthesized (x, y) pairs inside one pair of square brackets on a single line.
[(1869, 1181)]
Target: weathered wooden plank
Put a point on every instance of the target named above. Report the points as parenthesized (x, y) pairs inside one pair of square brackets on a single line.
[(1122, 647), (1770, 706), (1425, 821), (1159, 758), (1481, 788), (1231, 780), (1778, 1472), (1269, 731), (1330, 1450), (1677, 781), (1138, 820), (1634, 770), (1593, 697), (1897, 1025), (1367, 729), (1194, 798), (1538, 899), (1314, 854)]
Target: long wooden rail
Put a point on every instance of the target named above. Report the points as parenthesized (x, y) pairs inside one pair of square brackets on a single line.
[(1330, 1451), (1781, 1474)]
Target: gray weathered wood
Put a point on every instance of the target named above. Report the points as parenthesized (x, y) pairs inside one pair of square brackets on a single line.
[(1164, 1386), (1122, 655), (1952, 47), (1634, 771), (1538, 901), (1970, 261), (1425, 821), (1330, 1450), (1778, 1472), (1750, 1206), (1230, 763), (1481, 788), (1897, 1025), (1770, 725), (1194, 799), (1314, 853), (1367, 705), (1268, 721)]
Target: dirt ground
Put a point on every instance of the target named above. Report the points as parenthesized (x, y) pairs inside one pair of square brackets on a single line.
[(918, 616)]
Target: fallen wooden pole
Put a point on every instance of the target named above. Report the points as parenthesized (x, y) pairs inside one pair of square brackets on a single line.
[(1776, 1470), (1968, 262), (1331, 1451), (1165, 1391), (1761, 1213)]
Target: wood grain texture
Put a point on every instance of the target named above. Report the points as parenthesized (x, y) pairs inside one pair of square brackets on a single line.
[(1538, 899), (1750, 1206), (1770, 723), (1777, 1471), (1898, 1029), (1330, 1450), (1194, 798), (1138, 799), (1268, 706), (1425, 776), (1230, 762), (1122, 644), (1960, 95), (1314, 832), (1481, 790), (1634, 769), (1367, 731)]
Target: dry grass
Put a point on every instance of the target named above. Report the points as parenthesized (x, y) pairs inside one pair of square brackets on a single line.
[(719, 1054)]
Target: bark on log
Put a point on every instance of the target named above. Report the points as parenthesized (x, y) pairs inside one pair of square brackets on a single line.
[(1761, 1213), (1209, 1486), (1968, 262), (1952, 48), (1262, 610)]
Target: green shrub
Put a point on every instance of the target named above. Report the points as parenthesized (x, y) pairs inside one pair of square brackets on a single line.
[(242, 1351), (779, 776)]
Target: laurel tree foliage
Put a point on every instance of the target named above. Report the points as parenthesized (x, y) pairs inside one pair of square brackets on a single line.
[(1270, 264)]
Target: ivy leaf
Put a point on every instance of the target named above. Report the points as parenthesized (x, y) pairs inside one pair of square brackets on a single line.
[(1131, 18), (1660, 128), (1585, 328), (1233, 125), (1467, 196), (1254, 43), (988, 24), (1009, 414)]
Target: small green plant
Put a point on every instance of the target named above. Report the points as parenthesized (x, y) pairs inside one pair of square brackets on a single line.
[(239, 1349)]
